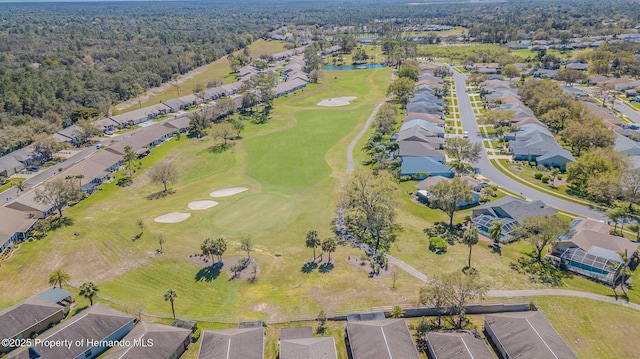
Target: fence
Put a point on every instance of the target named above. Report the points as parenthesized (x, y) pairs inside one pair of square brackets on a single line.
[(493, 305)]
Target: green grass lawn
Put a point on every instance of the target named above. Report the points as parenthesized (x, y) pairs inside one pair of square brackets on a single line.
[(12, 182), (293, 166), (593, 329), (305, 149), (458, 53)]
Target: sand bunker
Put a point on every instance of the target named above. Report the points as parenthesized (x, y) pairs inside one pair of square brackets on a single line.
[(337, 101), (173, 217), (227, 192), (200, 205)]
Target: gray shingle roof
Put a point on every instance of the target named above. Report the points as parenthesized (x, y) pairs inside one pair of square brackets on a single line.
[(232, 344), (96, 323), (381, 339), (527, 335), (515, 208), (459, 344), (308, 348), (25, 314), (166, 341)]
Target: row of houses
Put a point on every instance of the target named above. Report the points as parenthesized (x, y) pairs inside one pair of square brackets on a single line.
[(533, 141), (421, 137), (103, 331), (88, 334), (18, 217), (21, 214)]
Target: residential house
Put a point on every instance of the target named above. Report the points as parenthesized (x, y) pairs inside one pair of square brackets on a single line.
[(536, 143), (27, 204), (288, 87), (179, 123), (93, 171), (627, 146), (299, 343), (429, 117), (430, 129), (525, 335), (68, 134), (577, 66), (17, 161), (380, 339), (141, 115), (150, 340), (592, 252), (176, 105), (27, 318), (143, 140), (14, 227), (108, 125), (241, 343), (422, 167), (419, 149), (459, 344), (423, 107), (509, 211), (98, 325)]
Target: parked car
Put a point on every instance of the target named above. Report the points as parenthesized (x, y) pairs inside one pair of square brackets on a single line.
[(465, 134), (33, 168)]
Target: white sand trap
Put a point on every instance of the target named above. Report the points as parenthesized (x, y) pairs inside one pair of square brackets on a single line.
[(173, 217), (227, 192), (337, 101), (199, 205)]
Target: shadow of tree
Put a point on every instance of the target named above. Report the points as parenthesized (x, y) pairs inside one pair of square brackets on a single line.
[(220, 147), (160, 194), (209, 273), (541, 272), (325, 267), (60, 222), (309, 267)]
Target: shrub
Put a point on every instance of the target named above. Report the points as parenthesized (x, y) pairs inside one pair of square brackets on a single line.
[(532, 164), (538, 175), (124, 181), (196, 335), (437, 245), (545, 179)]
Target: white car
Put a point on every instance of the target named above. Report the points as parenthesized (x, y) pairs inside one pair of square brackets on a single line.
[(465, 134)]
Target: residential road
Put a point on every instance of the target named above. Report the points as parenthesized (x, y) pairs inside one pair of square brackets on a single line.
[(486, 169)]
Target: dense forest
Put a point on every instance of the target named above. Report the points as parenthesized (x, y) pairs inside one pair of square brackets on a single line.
[(58, 57)]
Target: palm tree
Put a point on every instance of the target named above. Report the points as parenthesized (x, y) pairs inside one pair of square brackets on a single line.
[(170, 295), (312, 241), (470, 238), (495, 230), (59, 277), (88, 290), (329, 245)]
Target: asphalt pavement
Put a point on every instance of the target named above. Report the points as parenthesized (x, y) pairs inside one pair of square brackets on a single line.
[(486, 169), (633, 115)]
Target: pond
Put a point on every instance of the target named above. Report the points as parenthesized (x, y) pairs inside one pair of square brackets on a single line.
[(353, 67)]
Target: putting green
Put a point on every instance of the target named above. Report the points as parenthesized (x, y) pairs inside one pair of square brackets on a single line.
[(254, 212)]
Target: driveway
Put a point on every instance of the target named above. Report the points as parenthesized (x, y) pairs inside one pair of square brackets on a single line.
[(486, 169)]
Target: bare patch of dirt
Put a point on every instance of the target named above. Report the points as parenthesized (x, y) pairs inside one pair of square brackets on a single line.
[(516, 168)]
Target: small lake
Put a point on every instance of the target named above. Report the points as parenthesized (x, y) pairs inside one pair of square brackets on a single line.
[(353, 67)]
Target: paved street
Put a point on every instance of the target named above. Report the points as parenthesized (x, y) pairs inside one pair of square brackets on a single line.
[(487, 170), (633, 115), (13, 193)]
